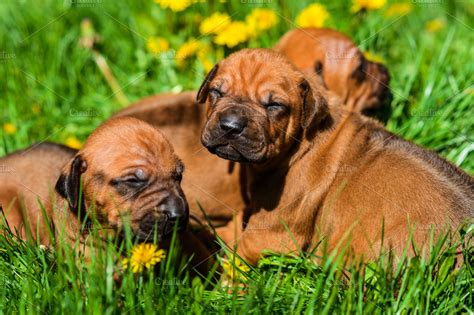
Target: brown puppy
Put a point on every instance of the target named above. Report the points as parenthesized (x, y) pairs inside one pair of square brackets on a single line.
[(210, 181), (213, 182), (129, 171), (362, 85), (324, 172)]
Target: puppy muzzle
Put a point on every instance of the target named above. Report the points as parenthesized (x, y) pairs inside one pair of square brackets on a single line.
[(233, 136), (171, 214)]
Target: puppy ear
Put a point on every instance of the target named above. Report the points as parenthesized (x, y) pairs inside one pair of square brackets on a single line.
[(360, 72), (204, 89), (68, 185), (315, 106)]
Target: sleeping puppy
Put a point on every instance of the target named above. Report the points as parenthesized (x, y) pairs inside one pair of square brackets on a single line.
[(362, 85), (213, 184), (318, 172), (129, 173), (210, 182)]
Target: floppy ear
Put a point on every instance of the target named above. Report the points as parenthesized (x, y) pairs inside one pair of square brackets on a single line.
[(204, 89), (360, 73), (315, 106), (68, 185)]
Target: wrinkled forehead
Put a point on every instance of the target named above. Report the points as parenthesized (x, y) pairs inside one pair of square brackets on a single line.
[(255, 77), (119, 152)]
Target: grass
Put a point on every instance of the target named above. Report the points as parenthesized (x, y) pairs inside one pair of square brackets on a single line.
[(52, 90)]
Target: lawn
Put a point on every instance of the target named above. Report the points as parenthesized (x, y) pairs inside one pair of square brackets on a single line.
[(53, 89)]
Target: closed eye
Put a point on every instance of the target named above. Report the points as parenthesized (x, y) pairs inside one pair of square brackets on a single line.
[(215, 93), (130, 181), (274, 106)]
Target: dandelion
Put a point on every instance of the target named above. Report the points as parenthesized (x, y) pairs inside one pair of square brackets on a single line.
[(399, 9), (234, 34), (314, 15), (203, 57), (370, 56), (215, 23), (144, 256), (73, 142), (9, 128), (187, 50), (157, 45), (234, 268), (207, 64), (260, 20), (358, 5), (174, 5), (435, 25)]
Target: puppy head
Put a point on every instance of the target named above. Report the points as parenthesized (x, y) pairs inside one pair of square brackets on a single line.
[(129, 173), (257, 106), (361, 84), (368, 86)]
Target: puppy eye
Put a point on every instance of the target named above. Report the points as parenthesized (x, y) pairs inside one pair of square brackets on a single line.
[(130, 181), (134, 180), (274, 106), (215, 93)]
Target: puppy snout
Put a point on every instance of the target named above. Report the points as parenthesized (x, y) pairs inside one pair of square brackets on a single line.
[(172, 211), (150, 221), (176, 211), (232, 123)]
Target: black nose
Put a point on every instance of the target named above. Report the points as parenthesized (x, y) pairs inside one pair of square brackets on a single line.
[(176, 211), (232, 123)]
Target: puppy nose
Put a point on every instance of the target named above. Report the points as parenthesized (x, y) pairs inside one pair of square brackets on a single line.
[(232, 123), (176, 210)]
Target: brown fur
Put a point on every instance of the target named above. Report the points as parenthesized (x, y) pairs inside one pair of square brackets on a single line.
[(361, 84), (213, 182), (129, 173), (210, 181), (324, 172)]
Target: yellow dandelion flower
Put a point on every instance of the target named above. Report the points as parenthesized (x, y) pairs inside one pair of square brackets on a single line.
[(144, 256), (314, 15), (435, 25), (234, 268), (207, 64), (125, 263), (260, 20), (370, 56), (215, 23), (157, 45), (73, 142), (358, 5), (234, 34), (399, 9), (187, 50), (174, 5), (9, 128), (203, 55)]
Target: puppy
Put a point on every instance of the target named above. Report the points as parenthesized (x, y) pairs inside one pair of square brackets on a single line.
[(362, 85), (129, 173), (210, 182), (320, 171), (214, 184)]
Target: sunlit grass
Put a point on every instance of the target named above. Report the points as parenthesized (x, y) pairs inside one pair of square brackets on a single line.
[(52, 89)]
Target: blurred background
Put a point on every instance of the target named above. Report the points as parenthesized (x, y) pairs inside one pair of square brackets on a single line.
[(65, 66)]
